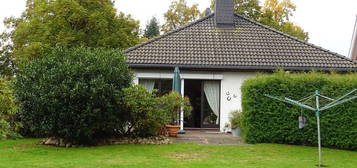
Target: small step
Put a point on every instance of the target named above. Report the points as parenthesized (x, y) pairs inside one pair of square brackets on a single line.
[(206, 130)]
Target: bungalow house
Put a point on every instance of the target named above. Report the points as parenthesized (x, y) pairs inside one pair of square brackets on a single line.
[(216, 54)]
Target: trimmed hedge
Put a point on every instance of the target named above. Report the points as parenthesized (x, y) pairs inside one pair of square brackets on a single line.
[(269, 121), (74, 94)]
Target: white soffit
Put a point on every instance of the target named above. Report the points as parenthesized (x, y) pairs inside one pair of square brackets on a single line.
[(184, 75)]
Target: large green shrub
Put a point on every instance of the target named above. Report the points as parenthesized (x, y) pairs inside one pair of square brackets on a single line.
[(144, 118), (8, 111), (148, 114), (172, 103), (268, 120), (73, 94)]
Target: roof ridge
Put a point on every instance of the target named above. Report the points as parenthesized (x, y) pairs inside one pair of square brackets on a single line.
[(296, 39), (168, 33)]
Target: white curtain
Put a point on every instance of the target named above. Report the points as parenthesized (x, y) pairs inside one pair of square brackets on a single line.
[(211, 89), (148, 84)]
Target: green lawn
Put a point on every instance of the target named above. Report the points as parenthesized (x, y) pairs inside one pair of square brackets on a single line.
[(24, 153)]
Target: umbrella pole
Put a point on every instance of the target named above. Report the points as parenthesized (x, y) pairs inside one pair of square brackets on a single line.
[(181, 131)]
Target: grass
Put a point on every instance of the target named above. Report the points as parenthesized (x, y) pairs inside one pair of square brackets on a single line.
[(25, 153)]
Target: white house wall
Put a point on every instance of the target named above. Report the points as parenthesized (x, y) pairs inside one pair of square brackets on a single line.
[(231, 96), (231, 83)]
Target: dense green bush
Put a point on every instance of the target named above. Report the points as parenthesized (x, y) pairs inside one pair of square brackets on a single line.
[(144, 118), (8, 109), (268, 120), (74, 94), (147, 114)]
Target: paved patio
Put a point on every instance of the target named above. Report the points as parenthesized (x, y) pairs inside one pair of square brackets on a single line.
[(207, 138)]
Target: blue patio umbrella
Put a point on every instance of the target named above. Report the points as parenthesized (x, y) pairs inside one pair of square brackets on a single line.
[(176, 86), (176, 83)]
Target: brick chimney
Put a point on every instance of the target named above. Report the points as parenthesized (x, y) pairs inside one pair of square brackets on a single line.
[(208, 11), (224, 13)]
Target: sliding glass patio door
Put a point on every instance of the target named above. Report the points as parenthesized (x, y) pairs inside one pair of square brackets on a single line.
[(205, 100)]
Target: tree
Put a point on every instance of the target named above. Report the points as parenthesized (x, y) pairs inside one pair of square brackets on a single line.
[(7, 67), (8, 110), (180, 14), (66, 23), (248, 8), (277, 14), (274, 13), (152, 28), (73, 94)]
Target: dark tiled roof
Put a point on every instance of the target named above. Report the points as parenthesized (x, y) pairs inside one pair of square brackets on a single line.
[(249, 45)]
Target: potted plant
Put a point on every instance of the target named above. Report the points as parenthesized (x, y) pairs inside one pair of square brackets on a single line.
[(172, 104), (235, 120)]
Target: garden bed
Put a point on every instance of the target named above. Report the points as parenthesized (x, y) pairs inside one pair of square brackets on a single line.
[(156, 140)]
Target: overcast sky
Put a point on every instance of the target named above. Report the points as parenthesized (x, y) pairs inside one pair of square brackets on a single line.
[(329, 22)]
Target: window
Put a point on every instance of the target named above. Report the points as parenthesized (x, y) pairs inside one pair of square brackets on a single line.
[(163, 86)]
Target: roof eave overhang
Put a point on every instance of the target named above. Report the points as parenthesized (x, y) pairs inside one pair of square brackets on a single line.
[(238, 68)]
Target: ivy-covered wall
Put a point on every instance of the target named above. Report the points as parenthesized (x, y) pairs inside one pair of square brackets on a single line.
[(269, 121)]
